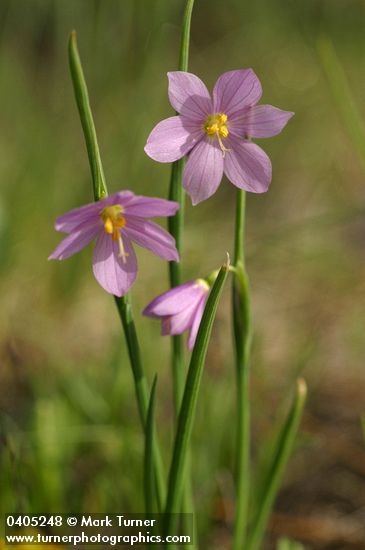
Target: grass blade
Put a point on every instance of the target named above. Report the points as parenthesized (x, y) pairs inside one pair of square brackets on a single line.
[(342, 95), (88, 126), (148, 454), (281, 454)]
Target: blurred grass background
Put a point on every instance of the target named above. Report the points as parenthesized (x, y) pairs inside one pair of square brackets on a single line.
[(70, 435)]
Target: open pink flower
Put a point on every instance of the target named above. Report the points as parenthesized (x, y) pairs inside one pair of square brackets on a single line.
[(215, 132), (180, 309), (115, 222)]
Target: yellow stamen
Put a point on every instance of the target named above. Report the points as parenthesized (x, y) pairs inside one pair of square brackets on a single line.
[(113, 221), (216, 125)]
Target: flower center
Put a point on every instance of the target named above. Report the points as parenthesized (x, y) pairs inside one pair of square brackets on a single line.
[(113, 222), (216, 126)]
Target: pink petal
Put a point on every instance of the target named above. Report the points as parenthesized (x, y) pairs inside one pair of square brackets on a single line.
[(149, 207), (115, 276), (204, 170), (196, 322), (75, 241), (236, 90), (189, 96), (175, 300), (247, 166), (90, 212), (120, 197), (179, 323), (260, 121), (69, 221), (172, 138), (151, 236)]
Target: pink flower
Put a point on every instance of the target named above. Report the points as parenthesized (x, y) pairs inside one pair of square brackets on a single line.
[(180, 309), (215, 132), (115, 222)]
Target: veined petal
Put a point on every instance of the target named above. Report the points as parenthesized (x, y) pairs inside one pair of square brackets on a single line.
[(247, 166), (120, 197), (111, 272), (171, 139), (179, 323), (204, 170), (151, 236), (235, 90), (198, 314), (260, 121), (69, 221), (175, 300), (189, 96), (149, 207), (75, 241)]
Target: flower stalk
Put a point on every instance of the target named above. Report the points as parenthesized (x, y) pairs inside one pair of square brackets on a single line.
[(242, 332), (175, 227), (176, 223), (123, 303)]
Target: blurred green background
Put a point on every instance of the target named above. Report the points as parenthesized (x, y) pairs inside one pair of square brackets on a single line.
[(70, 433)]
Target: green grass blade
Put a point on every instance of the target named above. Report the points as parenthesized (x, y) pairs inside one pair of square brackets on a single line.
[(342, 95), (189, 402), (83, 104), (149, 480), (281, 454)]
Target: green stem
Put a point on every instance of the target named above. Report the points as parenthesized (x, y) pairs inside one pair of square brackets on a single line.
[(141, 388), (123, 304), (242, 331), (189, 402), (176, 226), (276, 471), (149, 477), (176, 223)]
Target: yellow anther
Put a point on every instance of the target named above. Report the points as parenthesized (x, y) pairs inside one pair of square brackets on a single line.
[(108, 226), (113, 223), (216, 125), (224, 131), (212, 129)]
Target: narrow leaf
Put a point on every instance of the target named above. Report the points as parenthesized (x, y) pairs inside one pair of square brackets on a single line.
[(277, 467), (342, 95), (83, 104), (189, 402), (149, 479)]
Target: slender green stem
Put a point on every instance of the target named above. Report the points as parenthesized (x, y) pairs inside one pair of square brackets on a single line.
[(176, 226), (242, 339), (189, 402), (123, 304), (176, 223), (149, 478), (283, 450)]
